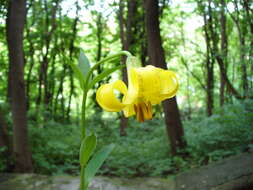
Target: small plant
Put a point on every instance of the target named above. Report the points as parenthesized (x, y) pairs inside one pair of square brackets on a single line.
[(147, 86)]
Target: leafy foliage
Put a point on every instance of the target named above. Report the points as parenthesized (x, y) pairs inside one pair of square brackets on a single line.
[(145, 151)]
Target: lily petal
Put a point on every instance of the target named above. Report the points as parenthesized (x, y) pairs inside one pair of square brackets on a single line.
[(106, 98), (133, 87), (169, 84), (156, 84), (149, 82)]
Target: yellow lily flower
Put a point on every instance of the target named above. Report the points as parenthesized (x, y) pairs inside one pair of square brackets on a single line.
[(147, 86)]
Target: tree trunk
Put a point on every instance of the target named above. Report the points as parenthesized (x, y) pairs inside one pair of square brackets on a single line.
[(210, 53), (249, 18), (15, 25), (123, 119), (242, 31), (126, 36), (71, 52), (156, 55), (224, 48)]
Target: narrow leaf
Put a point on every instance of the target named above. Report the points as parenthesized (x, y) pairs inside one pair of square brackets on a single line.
[(96, 162), (104, 74), (77, 73), (87, 148), (83, 63)]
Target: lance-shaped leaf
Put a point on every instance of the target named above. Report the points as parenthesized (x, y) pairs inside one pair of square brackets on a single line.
[(83, 63), (78, 74), (87, 148), (104, 74), (96, 162)]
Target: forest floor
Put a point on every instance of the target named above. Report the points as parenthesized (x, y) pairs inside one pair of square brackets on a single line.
[(234, 173)]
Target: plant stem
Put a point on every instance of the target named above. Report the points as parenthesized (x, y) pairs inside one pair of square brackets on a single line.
[(82, 179), (83, 120), (83, 133)]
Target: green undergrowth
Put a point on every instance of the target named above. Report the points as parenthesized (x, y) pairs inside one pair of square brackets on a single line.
[(145, 150)]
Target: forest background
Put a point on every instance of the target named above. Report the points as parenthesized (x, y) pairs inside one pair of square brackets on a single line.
[(209, 44)]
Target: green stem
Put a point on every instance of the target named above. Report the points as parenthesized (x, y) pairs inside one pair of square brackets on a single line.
[(83, 121), (83, 132), (82, 179)]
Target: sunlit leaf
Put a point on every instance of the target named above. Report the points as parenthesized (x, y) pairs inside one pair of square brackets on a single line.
[(83, 63)]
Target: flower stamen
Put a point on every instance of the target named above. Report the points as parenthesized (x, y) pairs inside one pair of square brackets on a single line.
[(143, 111)]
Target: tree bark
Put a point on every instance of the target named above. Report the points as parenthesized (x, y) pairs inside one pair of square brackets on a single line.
[(15, 26), (210, 54), (224, 48), (126, 36), (123, 120), (157, 58)]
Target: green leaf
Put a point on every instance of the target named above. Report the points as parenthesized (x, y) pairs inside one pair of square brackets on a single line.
[(78, 74), (87, 148), (96, 162), (104, 74), (83, 63)]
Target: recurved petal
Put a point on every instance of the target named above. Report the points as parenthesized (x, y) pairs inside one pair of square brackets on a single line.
[(133, 87), (106, 98), (169, 84)]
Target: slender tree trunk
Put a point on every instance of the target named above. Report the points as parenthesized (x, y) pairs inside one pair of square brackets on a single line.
[(144, 43), (50, 20), (209, 62), (242, 30), (123, 119), (249, 19), (156, 55), (224, 49), (60, 91), (15, 27), (216, 54), (71, 51), (45, 61), (51, 87), (126, 36)]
